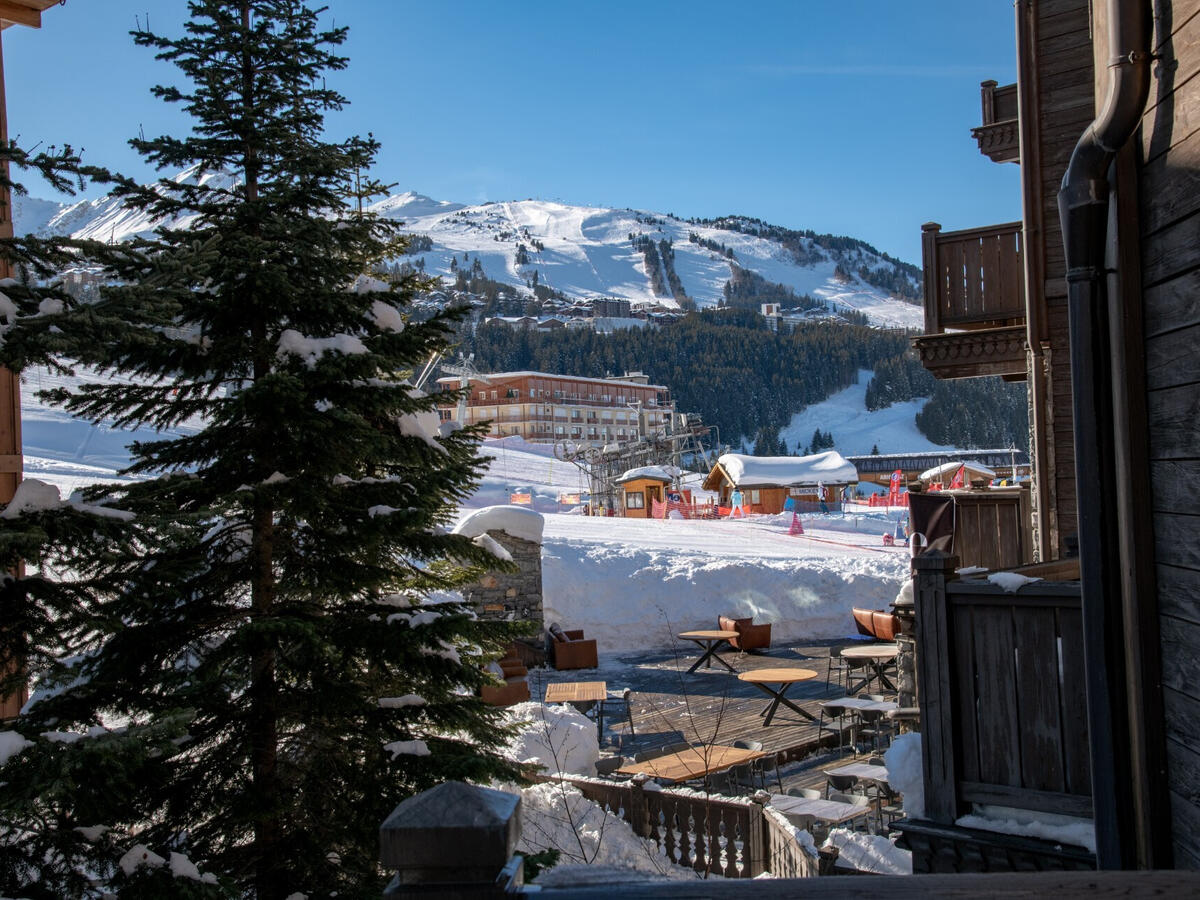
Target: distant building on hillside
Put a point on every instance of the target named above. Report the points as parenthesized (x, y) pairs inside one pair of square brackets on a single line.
[(545, 408), (878, 468), (611, 308)]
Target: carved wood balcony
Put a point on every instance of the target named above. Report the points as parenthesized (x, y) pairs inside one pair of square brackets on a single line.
[(974, 302), (999, 136)]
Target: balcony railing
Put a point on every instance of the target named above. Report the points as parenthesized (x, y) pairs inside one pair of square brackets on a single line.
[(975, 284), (999, 135)]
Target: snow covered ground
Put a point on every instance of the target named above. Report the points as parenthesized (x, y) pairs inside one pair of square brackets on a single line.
[(630, 583)]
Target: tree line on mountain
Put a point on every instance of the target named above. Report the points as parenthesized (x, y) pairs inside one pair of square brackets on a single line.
[(903, 280), (746, 289), (726, 365), (963, 412)]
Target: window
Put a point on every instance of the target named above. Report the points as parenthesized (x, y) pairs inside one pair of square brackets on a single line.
[(558, 429), (512, 394), (606, 398), (753, 497), (635, 500), (493, 395)]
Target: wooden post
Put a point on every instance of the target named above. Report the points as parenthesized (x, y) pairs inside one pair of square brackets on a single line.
[(639, 816), (10, 389), (929, 263), (757, 838), (453, 841), (933, 569), (987, 91)]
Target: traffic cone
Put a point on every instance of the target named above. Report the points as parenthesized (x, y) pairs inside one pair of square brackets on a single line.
[(796, 528)]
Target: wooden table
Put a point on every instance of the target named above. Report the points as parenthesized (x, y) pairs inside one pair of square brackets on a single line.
[(875, 657), (785, 678), (695, 762), (580, 693), (711, 641), (863, 772), (832, 812)]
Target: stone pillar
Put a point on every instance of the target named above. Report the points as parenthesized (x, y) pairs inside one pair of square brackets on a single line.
[(511, 596), (455, 841), (906, 661)]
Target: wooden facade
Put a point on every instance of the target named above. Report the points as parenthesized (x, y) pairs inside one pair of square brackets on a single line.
[(1166, 236), (638, 496), (1140, 342), (28, 13)]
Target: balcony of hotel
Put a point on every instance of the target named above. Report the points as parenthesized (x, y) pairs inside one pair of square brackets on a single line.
[(999, 135), (974, 302)]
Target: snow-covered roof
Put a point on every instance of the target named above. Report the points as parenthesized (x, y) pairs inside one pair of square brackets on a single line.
[(975, 468), (499, 376), (658, 473), (829, 467), (517, 521)]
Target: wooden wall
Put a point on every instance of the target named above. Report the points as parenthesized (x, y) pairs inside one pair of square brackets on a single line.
[(1055, 50), (1169, 188)]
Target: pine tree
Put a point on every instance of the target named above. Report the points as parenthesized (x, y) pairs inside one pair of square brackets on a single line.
[(243, 610)]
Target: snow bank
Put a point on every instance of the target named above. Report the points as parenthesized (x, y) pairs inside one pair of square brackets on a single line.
[(905, 774), (1048, 826), (559, 738), (597, 577), (870, 852), (512, 520)]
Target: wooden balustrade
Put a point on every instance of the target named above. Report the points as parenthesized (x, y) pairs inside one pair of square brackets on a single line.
[(1003, 700), (973, 278), (730, 837), (974, 302)]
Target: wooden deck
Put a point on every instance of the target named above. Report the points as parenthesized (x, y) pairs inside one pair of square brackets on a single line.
[(711, 706)]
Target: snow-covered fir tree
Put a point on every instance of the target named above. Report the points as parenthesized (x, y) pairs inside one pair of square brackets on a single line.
[(247, 657)]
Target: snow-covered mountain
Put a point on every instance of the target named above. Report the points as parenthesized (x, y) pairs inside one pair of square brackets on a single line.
[(580, 251)]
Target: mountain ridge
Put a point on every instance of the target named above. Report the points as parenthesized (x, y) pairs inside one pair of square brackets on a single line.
[(585, 252)]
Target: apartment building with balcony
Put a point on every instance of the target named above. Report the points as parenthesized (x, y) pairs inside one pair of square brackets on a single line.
[(546, 408)]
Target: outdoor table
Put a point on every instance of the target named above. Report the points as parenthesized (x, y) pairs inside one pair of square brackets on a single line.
[(862, 703), (763, 679), (711, 641), (695, 762), (832, 812), (876, 657), (579, 693), (863, 772)]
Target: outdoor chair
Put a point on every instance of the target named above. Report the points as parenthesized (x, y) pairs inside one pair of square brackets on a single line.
[(768, 763), (874, 723), (830, 710), (571, 650), (750, 636), (515, 676), (806, 793), (744, 774), (607, 765), (839, 783), (883, 796), (837, 667)]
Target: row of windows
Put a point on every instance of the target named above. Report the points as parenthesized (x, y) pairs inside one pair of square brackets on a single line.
[(536, 393)]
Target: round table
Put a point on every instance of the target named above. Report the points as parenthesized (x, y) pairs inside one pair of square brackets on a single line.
[(785, 678), (711, 641), (876, 657)]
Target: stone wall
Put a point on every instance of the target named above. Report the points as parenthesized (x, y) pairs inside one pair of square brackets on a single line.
[(511, 597)]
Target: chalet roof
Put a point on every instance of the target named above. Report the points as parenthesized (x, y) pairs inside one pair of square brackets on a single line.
[(740, 470), (654, 473), (975, 468)]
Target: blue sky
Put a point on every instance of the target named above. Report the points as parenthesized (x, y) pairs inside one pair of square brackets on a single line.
[(850, 117)]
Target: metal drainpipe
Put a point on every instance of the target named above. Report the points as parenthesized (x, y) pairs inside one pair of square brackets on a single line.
[(1083, 203)]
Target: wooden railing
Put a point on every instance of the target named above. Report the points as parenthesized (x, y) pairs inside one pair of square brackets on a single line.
[(999, 136), (728, 837), (1002, 694), (993, 528), (973, 279)]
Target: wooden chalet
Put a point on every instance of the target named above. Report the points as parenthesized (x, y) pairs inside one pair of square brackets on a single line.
[(640, 488), (877, 468), (1093, 298), (28, 13), (768, 482)]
